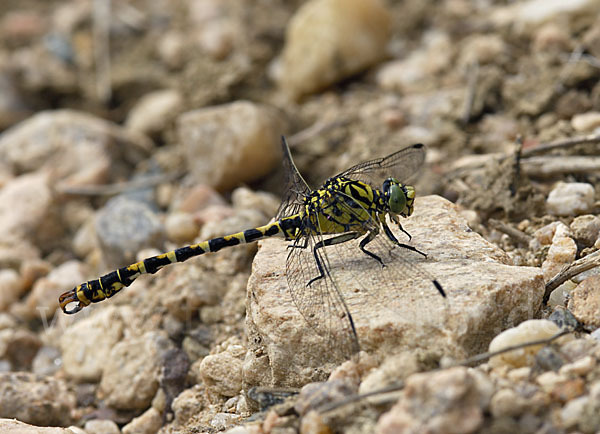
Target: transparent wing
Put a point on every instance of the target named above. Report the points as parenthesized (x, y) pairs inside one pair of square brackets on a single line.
[(321, 303), (364, 280), (296, 189), (400, 165)]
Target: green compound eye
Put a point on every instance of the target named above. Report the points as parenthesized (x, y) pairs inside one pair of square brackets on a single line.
[(397, 200)]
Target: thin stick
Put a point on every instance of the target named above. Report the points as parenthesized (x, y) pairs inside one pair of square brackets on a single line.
[(519, 236), (119, 187), (579, 266), (101, 34), (560, 144)]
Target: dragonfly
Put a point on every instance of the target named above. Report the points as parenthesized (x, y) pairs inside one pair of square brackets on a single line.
[(351, 208)]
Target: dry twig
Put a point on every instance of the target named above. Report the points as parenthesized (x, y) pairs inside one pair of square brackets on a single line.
[(579, 266)]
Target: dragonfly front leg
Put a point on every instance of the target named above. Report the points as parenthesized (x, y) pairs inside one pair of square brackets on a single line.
[(392, 238)]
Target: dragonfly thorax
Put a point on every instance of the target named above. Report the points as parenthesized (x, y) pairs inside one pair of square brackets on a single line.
[(398, 197)]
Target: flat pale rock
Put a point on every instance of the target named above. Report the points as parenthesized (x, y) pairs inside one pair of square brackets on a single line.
[(485, 295)]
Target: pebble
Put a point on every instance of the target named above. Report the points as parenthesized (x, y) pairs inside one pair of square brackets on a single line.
[(181, 227), (314, 395), (129, 382), (221, 373), (41, 301), (47, 361), (154, 112), (35, 400), (459, 409), (313, 423), (572, 411), (559, 296), (188, 404), (125, 226), (564, 318), (586, 121), (527, 331), (586, 229), (21, 346), (148, 422), (562, 252), (171, 49), (75, 147), (585, 302), (579, 367), (507, 402), (86, 344), (570, 198), (222, 421), (551, 37), (483, 49), (25, 205), (101, 426), (534, 12), (329, 40), (230, 144), (11, 288), (404, 74)]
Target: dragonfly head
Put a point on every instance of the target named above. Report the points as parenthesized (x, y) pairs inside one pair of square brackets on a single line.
[(400, 197)]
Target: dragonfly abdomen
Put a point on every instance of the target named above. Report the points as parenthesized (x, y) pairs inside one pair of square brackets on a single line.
[(108, 285)]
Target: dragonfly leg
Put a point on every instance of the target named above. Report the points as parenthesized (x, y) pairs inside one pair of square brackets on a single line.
[(391, 236), (329, 242)]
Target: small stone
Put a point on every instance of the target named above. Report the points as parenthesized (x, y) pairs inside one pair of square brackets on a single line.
[(548, 358), (527, 331), (181, 227), (47, 361), (585, 302), (551, 37), (11, 288), (519, 374), (579, 367), (459, 409), (125, 226), (36, 400), (41, 301), (101, 426), (573, 198), (549, 380), (572, 411), (507, 402), (148, 422), (483, 49), (558, 297), (222, 421), (545, 234), (329, 40), (314, 395), (564, 318), (586, 121), (230, 144), (188, 404), (313, 423), (221, 373), (586, 229), (130, 381), (20, 349), (171, 49), (402, 75), (86, 344), (154, 112), (562, 252)]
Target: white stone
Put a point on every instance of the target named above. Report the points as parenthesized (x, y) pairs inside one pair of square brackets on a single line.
[(328, 40), (586, 121), (568, 199), (527, 331), (154, 111)]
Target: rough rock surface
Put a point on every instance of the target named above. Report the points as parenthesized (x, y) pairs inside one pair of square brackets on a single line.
[(485, 294)]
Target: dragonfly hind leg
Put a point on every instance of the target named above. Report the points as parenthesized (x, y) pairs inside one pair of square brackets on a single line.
[(329, 242)]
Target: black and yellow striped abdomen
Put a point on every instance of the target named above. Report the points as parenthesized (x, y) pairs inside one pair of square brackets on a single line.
[(108, 285)]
